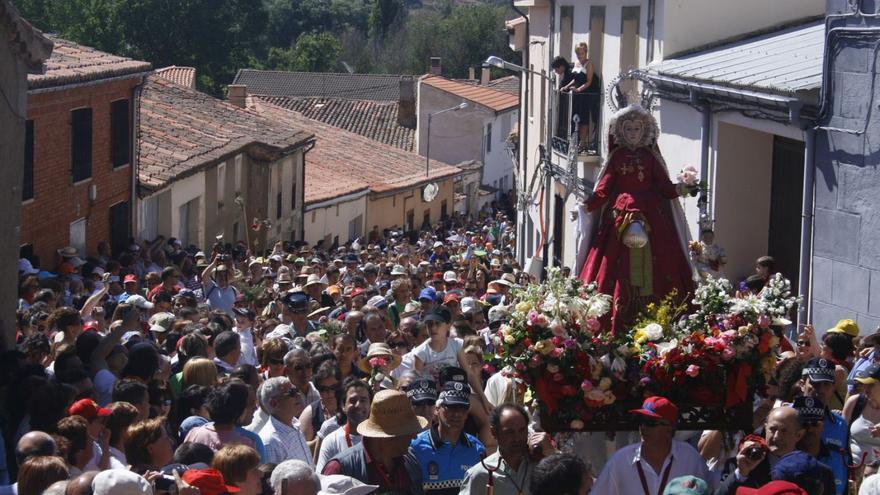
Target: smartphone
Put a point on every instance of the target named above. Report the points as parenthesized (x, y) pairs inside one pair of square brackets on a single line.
[(166, 484)]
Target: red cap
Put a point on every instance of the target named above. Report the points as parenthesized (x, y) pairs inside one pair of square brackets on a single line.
[(356, 292), (91, 325), (773, 488), (451, 297), (658, 408), (208, 481), (437, 276), (129, 279), (88, 409)]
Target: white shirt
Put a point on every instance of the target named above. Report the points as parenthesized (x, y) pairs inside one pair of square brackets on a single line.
[(248, 351), (284, 442), (333, 444), (434, 362), (312, 394), (621, 476), (118, 455), (327, 427)]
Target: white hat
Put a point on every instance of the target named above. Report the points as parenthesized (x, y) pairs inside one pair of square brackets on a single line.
[(98, 271), (120, 482), (450, 276), (506, 279), (26, 268), (398, 270), (337, 484), (200, 254), (68, 252), (469, 304), (139, 301), (438, 244)]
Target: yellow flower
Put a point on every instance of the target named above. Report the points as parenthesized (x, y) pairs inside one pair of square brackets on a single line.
[(641, 336), (524, 307), (544, 347), (743, 330), (509, 339)]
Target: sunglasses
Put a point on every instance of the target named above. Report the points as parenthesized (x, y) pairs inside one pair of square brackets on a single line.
[(301, 367), (803, 343)]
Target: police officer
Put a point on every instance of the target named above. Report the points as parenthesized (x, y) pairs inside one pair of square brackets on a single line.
[(818, 378), (445, 452)]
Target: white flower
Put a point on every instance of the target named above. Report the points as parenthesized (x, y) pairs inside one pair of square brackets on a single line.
[(688, 175), (598, 305), (618, 366), (654, 332), (663, 348)]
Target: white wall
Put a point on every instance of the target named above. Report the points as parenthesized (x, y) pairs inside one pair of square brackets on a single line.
[(497, 165), (182, 192), (680, 143), (334, 220)]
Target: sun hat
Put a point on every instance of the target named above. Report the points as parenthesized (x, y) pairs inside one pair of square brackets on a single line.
[(398, 270), (284, 278), (378, 349), (68, 252), (139, 302), (209, 482), (313, 279), (686, 485), (507, 280), (338, 484), (497, 316), (391, 415), (411, 308), (88, 409), (161, 322), (846, 326), (120, 482), (658, 408)]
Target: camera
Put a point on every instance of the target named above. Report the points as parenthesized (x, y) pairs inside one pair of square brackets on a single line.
[(754, 453), (165, 483)]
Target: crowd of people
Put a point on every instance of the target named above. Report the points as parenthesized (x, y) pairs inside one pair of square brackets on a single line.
[(368, 368)]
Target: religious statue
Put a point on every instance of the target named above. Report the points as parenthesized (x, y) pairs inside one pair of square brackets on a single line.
[(639, 253), (708, 258)]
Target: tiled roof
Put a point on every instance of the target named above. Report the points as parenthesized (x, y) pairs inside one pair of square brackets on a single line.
[(33, 47), (185, 76), (376, 87), (182, 131), (372, 119), (72, 63), (493, 99), (343, 162), (508, 84)]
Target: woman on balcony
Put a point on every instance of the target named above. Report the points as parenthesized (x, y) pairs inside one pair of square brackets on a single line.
[(586, 99)]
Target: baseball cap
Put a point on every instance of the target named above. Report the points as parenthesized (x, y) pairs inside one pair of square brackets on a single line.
[(686, 485), (796, 467), (337, 484), (455, 394), (120, 482), (296, 301), (809, 409), (139, 301), (88, 409), (161, 322), (846, 326), (439, 314), (421, 391), (378, 302), (451, 297), (773, 488), (450, 276), (437, 244), (209, 482), (819, 370), (247, 313), (658, 408), (130, 279), (428, 293), (869, 375)]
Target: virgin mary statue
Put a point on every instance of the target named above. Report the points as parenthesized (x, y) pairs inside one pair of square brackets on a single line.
[(639, 252)]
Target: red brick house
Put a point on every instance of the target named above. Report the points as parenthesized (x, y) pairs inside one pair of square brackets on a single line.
[(78, 170)]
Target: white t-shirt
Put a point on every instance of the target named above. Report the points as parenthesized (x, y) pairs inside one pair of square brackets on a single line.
[(327, 427), (435, 362), (333, 444)]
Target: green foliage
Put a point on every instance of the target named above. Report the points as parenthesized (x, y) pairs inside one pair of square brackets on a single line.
[(219, 37)]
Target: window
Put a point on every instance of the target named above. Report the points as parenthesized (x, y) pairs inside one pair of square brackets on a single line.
[(293, 194), (278, 206), (489, 137), (238, 160), (120, 133), (81, 144), (78, 235), (27, 189), (426, 220), (221, 185), (566, 26), (444, 214)]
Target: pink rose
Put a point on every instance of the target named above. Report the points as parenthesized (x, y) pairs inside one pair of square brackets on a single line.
[(378, 362), (728, 353), (593, 325), (586, 385), (532, 316), (556, 352), (541, 321), (692, 371), (557, 341), (558, 331)]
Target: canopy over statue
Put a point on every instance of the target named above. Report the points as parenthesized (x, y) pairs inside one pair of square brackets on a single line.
[(638, 253)]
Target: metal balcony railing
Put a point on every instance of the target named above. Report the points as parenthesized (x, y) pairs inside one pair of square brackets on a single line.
[(566, 122)]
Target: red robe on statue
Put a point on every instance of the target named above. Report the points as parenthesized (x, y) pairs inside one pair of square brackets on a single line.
[(637, 188)]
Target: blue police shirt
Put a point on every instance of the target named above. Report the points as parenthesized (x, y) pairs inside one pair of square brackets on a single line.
[(444, 464), (836, 438)]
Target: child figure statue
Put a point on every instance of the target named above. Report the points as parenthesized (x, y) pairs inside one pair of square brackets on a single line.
[(708, 257)]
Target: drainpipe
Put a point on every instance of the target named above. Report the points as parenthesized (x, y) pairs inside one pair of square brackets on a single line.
[(804, 285), (523, 138), (134, 159), (548, 138), (302, 190), (705, 139)]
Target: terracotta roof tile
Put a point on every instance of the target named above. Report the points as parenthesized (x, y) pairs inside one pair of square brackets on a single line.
[(72, 63), (184, 76), (372, 119), (375, 87), (182, 131), (508, 84), (343, 162), (494, 99)]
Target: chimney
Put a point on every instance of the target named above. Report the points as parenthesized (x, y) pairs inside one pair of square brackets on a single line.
[(485, 76), (471, 76), (237, 94), (406, 106), (436, 66)]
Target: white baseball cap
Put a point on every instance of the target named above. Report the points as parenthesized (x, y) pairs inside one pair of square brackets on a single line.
[(337, 484), (139, 301), (120, 482), (450, 276)]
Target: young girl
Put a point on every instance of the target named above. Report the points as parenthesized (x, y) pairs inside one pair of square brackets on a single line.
[(439, 352)]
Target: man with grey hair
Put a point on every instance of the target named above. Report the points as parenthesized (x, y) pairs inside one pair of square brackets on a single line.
[(298, 367), (294, 477), (352, 323), (281, 434)]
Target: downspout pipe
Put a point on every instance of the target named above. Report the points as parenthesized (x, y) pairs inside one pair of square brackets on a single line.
[(807, 196), (134, 159), (523, 139), (302, 190), (551, 116), (705, 140)]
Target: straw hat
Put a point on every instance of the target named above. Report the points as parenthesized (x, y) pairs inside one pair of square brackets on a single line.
[(314, 279), (378, 349), (391, 415), (284, 278)]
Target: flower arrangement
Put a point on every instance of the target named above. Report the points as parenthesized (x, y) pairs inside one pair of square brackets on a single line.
[(378, 365), (688, 176), (709, 352)]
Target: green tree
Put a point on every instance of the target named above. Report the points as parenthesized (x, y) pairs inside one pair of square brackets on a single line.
[(383, 14), (312, 52)]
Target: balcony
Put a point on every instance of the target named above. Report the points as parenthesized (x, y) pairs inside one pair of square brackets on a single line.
[(574, 166)]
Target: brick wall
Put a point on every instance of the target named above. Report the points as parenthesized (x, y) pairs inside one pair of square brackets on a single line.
[(46, 219), (846, 246)]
